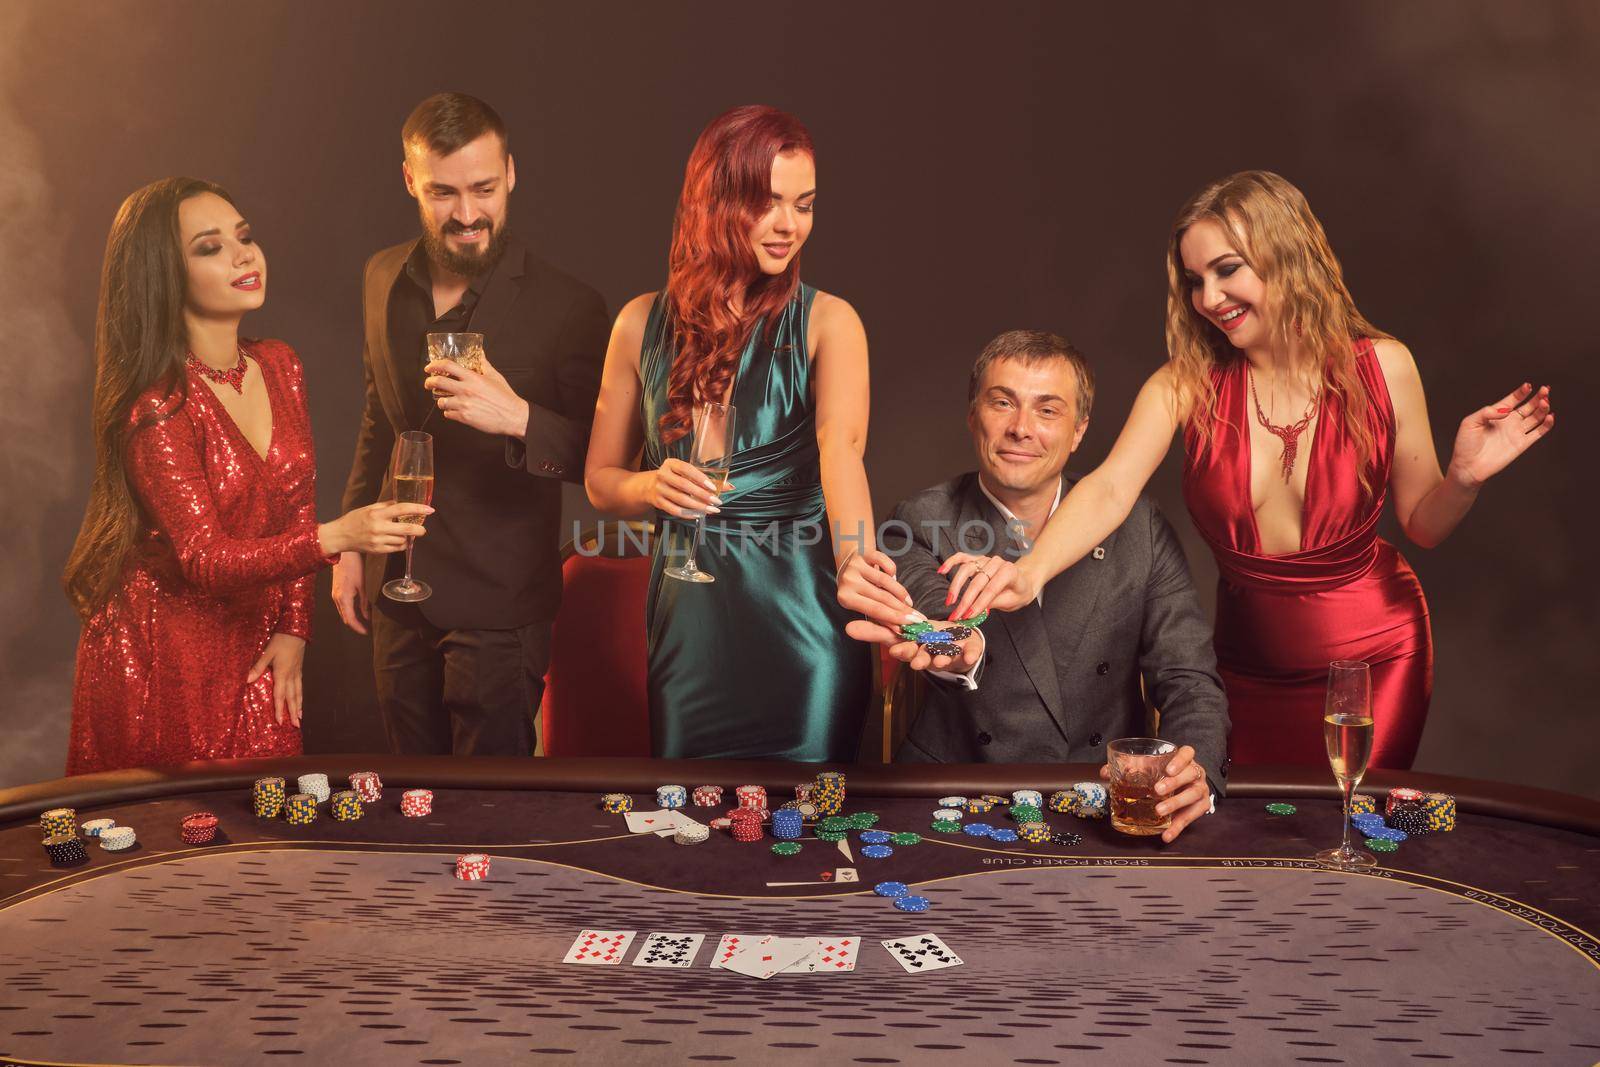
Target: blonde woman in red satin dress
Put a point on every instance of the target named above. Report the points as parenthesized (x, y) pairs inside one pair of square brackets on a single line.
[(194, 566), (1299, 419)]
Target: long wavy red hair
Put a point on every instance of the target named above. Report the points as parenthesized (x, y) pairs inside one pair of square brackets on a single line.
[(711, 269)]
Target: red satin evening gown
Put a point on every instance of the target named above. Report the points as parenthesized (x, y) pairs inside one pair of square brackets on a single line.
[(1347, 594), (224, 560)]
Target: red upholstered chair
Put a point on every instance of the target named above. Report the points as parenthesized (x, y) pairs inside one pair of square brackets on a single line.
[(595, 701)]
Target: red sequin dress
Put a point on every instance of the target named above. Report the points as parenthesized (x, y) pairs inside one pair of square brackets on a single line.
[(1347, 594), (225, 560)]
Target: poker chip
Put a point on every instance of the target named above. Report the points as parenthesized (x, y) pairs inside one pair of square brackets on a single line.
[(267, 796), (472, 867), (952, 802), (958, 632), (1402, 797), (864, 820), (977, 829), (96, 827), (346, 806), (316, 785), (994, 798), (300, 809), (875, 837), (803, 790), (692, 834), (1362, 803), (1382, 844), (877, 852), (946, 815), (1441, 811), (1385, 833), (707, 796), (1066, 838), (828, 792), (65, 850), (1029, 797), (1063, 800), (416, 803), (786, 848), (199, 828), (368, 786), (1412, 821), (117, 839), (746, 824), (1027, 813), (1280, 808), (891, 889), (912, 903), (721, 822), (944, 827), (1035, 833), (904, 837), (808, 811), (787, 824), (59, 822), (978, 806), (671, 796), (1003, 835), (942, 648), (1369, 821), (1093, 793), (617, 803)]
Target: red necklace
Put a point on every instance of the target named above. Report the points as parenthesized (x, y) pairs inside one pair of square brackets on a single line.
[(233, 376), (1289, 435)]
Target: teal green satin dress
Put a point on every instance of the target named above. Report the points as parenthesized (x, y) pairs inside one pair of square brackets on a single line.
[(757, 664)]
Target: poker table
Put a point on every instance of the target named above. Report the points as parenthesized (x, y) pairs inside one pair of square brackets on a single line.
[(354, 942)]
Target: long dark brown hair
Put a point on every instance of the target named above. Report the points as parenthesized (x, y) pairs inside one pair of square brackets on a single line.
[(139, 342), (727, 187)]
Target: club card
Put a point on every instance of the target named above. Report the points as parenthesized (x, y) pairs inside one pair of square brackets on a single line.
[(730, 946), (669, 950), (921, 953), (770, 955), (834, 955), (600, 947)]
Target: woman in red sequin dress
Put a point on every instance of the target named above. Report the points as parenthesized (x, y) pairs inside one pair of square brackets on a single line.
[(1299, 419), (193, 569)]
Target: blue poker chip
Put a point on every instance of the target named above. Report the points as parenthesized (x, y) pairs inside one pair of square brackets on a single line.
[(934, 637), (891, 889), (1002, 834), (1385, 833), (912, 903), (877, 852), (977, 829), (1364, 821), (875, 837)]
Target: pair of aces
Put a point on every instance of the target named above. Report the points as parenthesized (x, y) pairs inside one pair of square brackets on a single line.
[(758, 956)]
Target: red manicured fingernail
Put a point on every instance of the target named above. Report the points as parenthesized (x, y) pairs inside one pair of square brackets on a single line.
[(1502, 410)]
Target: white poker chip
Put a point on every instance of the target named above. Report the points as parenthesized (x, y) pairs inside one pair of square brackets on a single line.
[(117, 838), (96, 827), (1028, 796), (1093, 792), (946, 815), (953, 802), (316, 785), (691, 835)]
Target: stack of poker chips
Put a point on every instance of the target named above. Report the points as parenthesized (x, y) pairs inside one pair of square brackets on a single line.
[(199, 828), (96, 827), (415, 803), (707, 796), (832, 828), (65, 850), (863, 820), (300, 809), (346, 805), (786, 848), (368, 786), (59, 822), (977, 829), (267, 797), (473, 867), (616, 803), (787, 824), (807, 809), (1063, 800), (1030, 797), (1363, 804), (753, 797), (827, 792), (1027, 813), (745, 824), (117, 839), (1440, 808), (1035, 833), (803, 790), (1092, 801), (316, 785), (946, 815), (671, 796), (1402, 798), (691, 833), (978, 806)]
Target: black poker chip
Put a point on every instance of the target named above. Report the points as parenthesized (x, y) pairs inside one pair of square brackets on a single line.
[(1066, 838), (1412, 820), (942, 650), (958, 633)]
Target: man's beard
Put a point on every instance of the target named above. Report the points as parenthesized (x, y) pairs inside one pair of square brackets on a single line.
[(465, 264)]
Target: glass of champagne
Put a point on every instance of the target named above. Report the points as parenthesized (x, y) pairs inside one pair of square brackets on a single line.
[(463, 348), (1347, 732), (709, 451), (411, 471)]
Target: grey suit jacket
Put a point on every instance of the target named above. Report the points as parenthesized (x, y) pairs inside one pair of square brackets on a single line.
[(1059, 681)]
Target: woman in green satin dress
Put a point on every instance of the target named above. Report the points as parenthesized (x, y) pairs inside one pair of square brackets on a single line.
[(756, 664)]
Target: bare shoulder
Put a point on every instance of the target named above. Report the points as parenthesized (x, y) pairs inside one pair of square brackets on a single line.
[(833, 315), (1394, 359), (627, 335)]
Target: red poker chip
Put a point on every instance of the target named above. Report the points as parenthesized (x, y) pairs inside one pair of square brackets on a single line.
[(722, 823)]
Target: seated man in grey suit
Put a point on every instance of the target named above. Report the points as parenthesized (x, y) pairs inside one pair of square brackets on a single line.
[(1061, 678)]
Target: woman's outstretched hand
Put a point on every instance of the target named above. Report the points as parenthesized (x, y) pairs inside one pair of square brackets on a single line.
[(987, 583), (1491, 437)]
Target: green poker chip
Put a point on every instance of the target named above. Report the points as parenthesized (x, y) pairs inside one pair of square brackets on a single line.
[(786, 848), (830, 835), (1280, 808), (1378, 844), (905, 837), (1026, 813), (834, 822), (864, 820), (941, 827)]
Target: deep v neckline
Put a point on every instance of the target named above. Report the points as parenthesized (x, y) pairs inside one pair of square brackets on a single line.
[(1315, 430), (272, 415)]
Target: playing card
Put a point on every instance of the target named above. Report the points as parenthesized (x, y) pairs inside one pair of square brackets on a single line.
[(600, 947), (678, 819), (769, 955), (833, 955), (921, 953), (648, 822), (730, 946), (669, 950)]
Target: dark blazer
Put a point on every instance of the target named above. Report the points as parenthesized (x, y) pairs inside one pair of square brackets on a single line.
[(1058, 682), (492, 553)]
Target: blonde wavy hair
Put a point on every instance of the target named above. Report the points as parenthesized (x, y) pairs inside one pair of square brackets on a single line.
[(1270, 224)]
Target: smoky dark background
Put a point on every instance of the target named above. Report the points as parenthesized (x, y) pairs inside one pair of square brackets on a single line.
[(982, 167)]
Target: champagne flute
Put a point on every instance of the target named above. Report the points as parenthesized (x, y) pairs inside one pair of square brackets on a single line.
[(1347, 732), (709, 452), (411, 471)]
